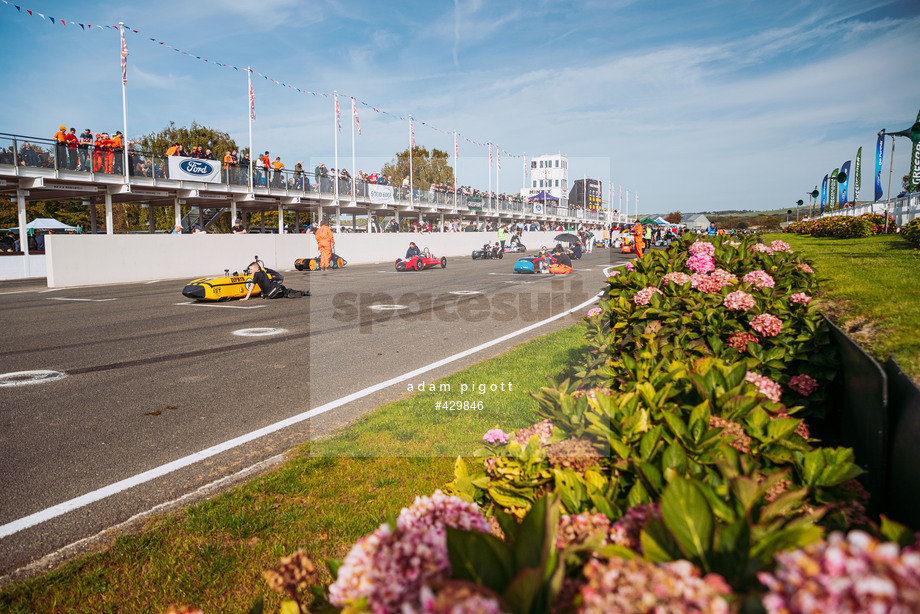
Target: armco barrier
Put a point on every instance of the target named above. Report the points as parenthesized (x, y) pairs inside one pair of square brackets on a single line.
[(903, 500), (859, 415)]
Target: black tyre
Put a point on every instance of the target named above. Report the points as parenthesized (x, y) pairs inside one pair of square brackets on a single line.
[(501, 255), (400, 265), (443, 262)]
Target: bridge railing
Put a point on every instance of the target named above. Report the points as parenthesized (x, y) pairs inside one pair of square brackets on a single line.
[(31, 152)]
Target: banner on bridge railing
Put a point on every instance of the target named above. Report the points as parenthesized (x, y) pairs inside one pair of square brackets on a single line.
[(381, 194), (193, 169)]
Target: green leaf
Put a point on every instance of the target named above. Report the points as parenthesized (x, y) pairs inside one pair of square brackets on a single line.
[(258, 607), (480, 558), (658, 544), (897, 532), (527, 587), (687, 514)]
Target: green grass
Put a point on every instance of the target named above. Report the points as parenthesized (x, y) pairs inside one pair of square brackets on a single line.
[(871, 289), (325, 497)]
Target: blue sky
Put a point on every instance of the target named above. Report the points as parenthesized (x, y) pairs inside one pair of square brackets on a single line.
[(697, 106)]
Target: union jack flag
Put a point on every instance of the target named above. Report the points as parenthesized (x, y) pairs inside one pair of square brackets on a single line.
[(354, 111), (456, 147), (124, 59), (252, 99), (338, 116), (490, 155), (411, 133), (498, 153)]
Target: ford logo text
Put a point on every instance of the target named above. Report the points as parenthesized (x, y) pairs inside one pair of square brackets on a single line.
[(196, 167)]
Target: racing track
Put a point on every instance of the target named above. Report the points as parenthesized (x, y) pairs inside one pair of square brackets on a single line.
[(152, 378)]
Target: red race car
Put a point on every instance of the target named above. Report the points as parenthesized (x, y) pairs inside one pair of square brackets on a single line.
[(424, 261)]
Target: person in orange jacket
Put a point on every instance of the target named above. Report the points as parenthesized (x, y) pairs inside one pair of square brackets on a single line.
[(98, 156), (278, 166), (640, 242), (107, 149), (60, 150), (118, 151), (324, 241)]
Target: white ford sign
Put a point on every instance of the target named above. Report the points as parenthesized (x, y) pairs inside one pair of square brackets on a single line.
[(193, 169)]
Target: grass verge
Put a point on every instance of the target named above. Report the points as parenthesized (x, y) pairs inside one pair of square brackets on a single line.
[(323, 499), (871, 289)]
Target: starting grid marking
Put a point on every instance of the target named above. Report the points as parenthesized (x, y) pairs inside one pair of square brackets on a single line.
[(82, 300), (197, 304)]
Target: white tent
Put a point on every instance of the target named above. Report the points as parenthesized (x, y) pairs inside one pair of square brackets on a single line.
[(47, 223)]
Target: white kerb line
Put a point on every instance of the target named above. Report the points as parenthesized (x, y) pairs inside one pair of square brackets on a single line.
[(122, 485)]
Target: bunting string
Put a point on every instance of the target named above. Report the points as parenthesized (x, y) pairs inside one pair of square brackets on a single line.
[(87, 27)]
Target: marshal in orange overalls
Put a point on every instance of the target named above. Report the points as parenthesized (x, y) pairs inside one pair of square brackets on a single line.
[(324, 241), (640, 242)]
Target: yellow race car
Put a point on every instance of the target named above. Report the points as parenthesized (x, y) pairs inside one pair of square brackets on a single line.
[(227, 286)]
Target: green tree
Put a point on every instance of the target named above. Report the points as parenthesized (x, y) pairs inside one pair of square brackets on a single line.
[(217, 141), (427, 168), (674, 217)]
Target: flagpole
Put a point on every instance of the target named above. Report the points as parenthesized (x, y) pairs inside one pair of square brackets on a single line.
[(354, 171), (490, 175), (411, 180), (335, 132), (124, 98), (251, 109), (456, 152)]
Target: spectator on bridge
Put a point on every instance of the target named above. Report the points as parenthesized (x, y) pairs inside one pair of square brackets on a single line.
[(86, 142), (209, 155), (73, 157), (230, 162), (27, 155), (237, 228), (60, 149), (244, 169), (177, 230), (278, 166), (118, 152), (298, 175), (266, 169)]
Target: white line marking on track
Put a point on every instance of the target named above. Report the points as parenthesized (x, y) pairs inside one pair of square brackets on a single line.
[(82, 300), (258, 332), (50, 290), (28, 378), (387, 307), (465, 292), (60, 509), (197, 304), (155, 281), (21, 292)]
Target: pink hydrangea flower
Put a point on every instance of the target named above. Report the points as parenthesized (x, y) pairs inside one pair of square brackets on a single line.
[(627, 529), (703, 247), (767, 386), (630, 267), (618, 586), (845, 575), (644, 296), (780, 246), (543, 430), (496, 436), (701, 263), (767, 325), (738, 300), (593, 312), (677, 277), (740, 340), (711, 284), (734, 243), (759, 279), (803, 384), (387, 569), (804, 267), (800, 298), (760, 247)]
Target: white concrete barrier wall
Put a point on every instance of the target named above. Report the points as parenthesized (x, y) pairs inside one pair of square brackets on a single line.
[(14, 267), (84, 260)]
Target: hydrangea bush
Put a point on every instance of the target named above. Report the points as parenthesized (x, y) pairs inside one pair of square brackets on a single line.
[(671, 471)]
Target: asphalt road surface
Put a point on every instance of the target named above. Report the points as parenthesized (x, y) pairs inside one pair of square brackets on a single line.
[(153, 378)]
